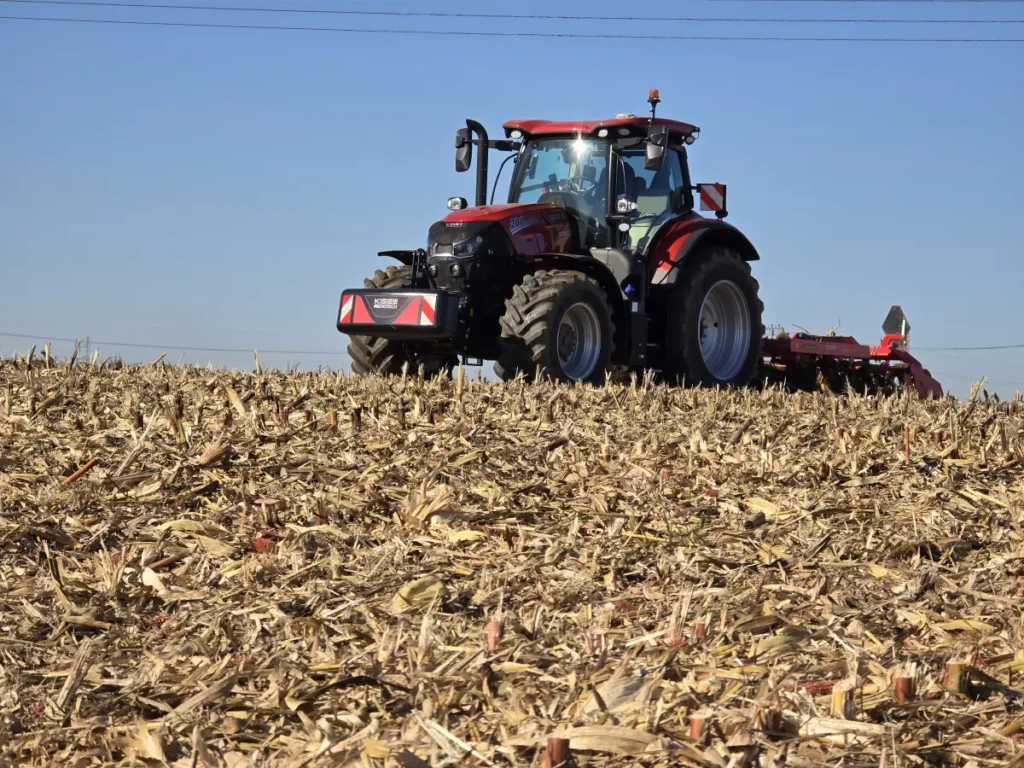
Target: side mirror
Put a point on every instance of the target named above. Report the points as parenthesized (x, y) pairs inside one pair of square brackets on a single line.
[(463, 149), (656, 144)]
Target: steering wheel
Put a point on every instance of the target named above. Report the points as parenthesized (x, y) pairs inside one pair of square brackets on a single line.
[(576, 184), (572, 202), (569, 199)]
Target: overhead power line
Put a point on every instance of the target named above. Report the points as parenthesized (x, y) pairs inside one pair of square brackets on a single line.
[(937, 2), (174, 347), (945, 375), (926, 2), (970, 349), (495, 33), (247, 350), (334, 353), (525, 17)]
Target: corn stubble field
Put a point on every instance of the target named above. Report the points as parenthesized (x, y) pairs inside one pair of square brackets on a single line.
[(212, 568)]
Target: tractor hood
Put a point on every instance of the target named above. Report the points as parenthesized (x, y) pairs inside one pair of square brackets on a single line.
[(532, 227), (513, 217)]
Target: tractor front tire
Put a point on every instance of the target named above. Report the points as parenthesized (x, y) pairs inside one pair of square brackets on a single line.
[(559, 322), (713, 327), (372, 354)]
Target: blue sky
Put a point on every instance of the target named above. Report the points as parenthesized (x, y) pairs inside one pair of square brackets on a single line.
[(218, 188)]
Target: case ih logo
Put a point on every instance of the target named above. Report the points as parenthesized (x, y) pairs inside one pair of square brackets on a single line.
[(385, 302)]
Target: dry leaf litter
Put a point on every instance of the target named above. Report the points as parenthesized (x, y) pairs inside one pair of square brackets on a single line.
[(236, 569)]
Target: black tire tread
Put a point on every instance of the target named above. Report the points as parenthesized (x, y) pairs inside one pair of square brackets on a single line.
[(372, 354), (675, 347), (526, 317)]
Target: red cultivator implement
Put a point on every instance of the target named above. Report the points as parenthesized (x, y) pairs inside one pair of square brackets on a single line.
[(808, 362)]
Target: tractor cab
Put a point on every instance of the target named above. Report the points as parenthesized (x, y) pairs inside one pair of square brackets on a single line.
[(573, 173), (618, 179), (604, 174)]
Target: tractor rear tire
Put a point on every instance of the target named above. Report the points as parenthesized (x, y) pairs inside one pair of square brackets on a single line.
[(560, 322), (713, 322), (372, 354)]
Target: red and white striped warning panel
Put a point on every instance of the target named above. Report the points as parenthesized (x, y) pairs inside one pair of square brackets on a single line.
[(427, 304), (348, 301), (388, 309), (712, 197), (392, 311)]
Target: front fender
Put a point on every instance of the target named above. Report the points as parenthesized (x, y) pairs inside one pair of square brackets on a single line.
[(683, 237), (608, 275)]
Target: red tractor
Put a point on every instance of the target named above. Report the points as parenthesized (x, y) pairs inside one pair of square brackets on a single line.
[(597, 261)]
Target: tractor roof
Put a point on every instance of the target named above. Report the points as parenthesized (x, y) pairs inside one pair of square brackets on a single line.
[(578, 127)]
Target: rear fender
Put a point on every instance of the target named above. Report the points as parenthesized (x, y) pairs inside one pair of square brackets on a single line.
[(683, 237)]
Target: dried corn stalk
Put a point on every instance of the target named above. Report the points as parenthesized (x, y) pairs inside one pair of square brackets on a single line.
[(233, 569)]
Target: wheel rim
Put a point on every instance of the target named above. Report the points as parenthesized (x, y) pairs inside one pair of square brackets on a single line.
[(579, 341), (724, 330)]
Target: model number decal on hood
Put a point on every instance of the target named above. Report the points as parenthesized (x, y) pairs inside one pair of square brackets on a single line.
[(517, 223)]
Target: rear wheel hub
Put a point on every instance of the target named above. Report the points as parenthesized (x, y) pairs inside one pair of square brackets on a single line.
[(724, 330)]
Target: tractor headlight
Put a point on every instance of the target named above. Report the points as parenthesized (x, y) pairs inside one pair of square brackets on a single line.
[(468, 247)]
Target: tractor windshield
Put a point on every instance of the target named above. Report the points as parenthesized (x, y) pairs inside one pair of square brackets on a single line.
[(559, 165), (575, 171)]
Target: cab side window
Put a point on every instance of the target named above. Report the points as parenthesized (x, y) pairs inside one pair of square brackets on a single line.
[(652, 190)]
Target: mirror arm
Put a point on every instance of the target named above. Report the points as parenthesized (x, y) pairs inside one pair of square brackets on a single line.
[(505, 145)]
